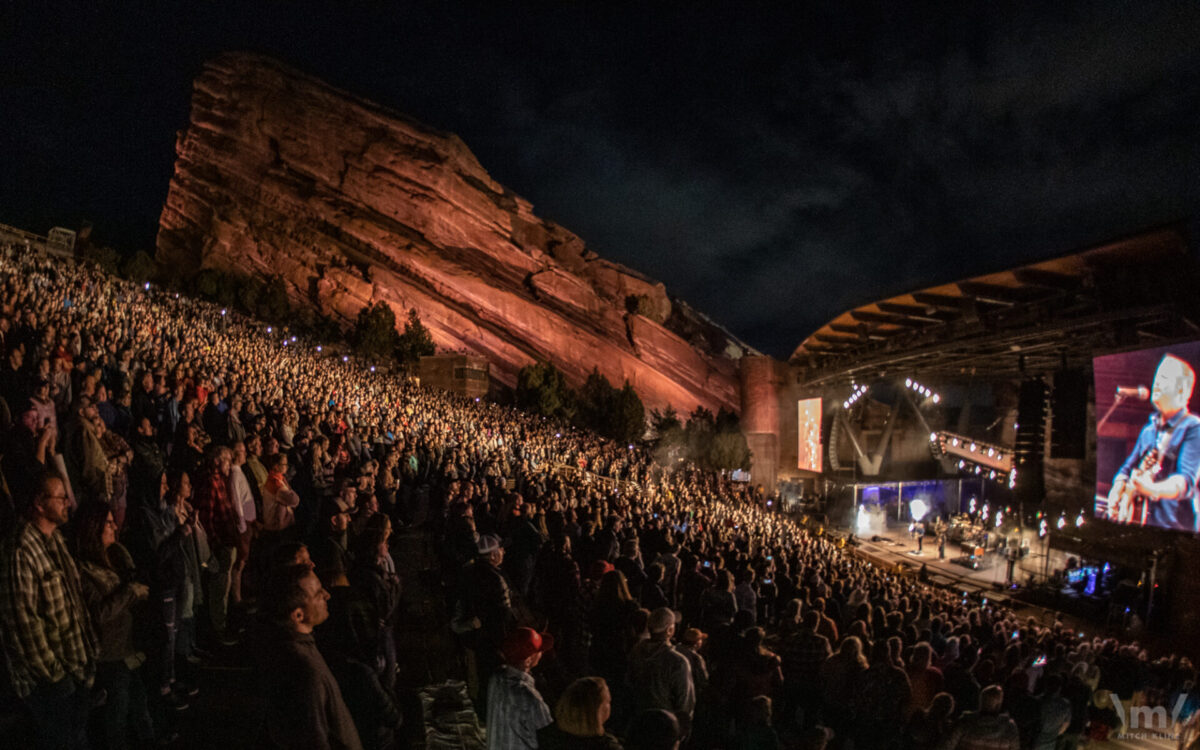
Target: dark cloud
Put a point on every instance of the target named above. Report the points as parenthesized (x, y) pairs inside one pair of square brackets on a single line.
[(772, 166)]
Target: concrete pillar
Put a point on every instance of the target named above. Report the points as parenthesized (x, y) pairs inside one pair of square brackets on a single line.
[(761, 378)]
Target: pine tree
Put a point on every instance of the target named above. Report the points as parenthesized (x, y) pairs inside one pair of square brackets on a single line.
[(415, 342), (375, 334), (542, 389), (628, 415)]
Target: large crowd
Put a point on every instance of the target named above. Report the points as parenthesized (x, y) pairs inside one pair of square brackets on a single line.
[(179, 479)]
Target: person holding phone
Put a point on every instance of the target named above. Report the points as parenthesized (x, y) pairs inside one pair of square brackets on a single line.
[(111, 592)]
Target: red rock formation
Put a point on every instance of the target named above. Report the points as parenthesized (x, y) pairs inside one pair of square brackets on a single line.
[(279, 173)]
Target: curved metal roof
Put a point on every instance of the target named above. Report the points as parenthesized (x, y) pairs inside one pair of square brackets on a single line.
[(1026, 319)]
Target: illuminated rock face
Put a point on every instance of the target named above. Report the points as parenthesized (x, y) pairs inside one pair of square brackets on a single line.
[(279, 173)]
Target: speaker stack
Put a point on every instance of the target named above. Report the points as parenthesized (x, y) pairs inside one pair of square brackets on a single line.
[(1030, 448), (1068, 415)]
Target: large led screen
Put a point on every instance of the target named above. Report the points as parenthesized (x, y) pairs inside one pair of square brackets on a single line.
[(1148, 437), (810, 455)]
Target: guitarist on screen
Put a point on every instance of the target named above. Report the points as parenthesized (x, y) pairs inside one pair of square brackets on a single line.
[(1160, 474)]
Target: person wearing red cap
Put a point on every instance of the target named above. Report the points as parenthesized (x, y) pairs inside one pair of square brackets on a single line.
[(515, 708)]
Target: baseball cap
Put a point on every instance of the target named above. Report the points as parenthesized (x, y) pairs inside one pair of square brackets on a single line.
[(487, 544), (598, 568), (523, 643), (662, 618), (692, 636)]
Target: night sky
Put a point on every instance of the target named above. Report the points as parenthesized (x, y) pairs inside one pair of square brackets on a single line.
[(773, 166)]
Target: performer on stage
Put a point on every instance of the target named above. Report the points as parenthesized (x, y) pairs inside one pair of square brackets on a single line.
[(1168, 495)]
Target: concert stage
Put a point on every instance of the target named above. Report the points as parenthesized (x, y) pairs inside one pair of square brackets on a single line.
[(899, 550), (993, 394)]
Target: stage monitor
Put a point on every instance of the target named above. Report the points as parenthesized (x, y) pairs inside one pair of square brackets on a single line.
[(1147, 437), (809, 420)]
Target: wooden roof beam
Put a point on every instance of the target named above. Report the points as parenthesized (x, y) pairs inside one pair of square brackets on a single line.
[(866, 316), (992, 293), (944, 301), (1048, 279), (916, 312), (828, 338), (863, 331), (859, 329)]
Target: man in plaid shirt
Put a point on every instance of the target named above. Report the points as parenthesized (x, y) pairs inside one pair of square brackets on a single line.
[(46, 630)]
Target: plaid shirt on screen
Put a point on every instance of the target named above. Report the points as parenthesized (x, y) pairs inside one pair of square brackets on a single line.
[(47, 632)]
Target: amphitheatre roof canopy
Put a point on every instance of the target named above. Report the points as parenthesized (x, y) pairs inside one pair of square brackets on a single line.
[(1033, 319)]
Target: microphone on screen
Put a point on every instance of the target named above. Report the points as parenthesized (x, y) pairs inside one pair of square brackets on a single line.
[(1141, 392)]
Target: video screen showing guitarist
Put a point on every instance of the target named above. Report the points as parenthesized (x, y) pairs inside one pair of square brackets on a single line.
[(1156, 485)]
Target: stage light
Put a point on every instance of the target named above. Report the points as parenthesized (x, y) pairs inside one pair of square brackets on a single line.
[(318, 348), (1061, 523), (147, 286), (270, 329), (372, 368), (345, 358), (1043, 529), (1079, 520), (1012, 479), (992, 474), (908, 382), (972, 507), (991, 452), (933, 437), (293, 339), (962, 464), (918, 509), (974, 447), (223, 311), (978, 470), (936, 398), (999, 519)]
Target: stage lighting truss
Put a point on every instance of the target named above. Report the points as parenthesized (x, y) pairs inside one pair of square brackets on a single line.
[(983, 459), (859, 392), (923, 391)]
